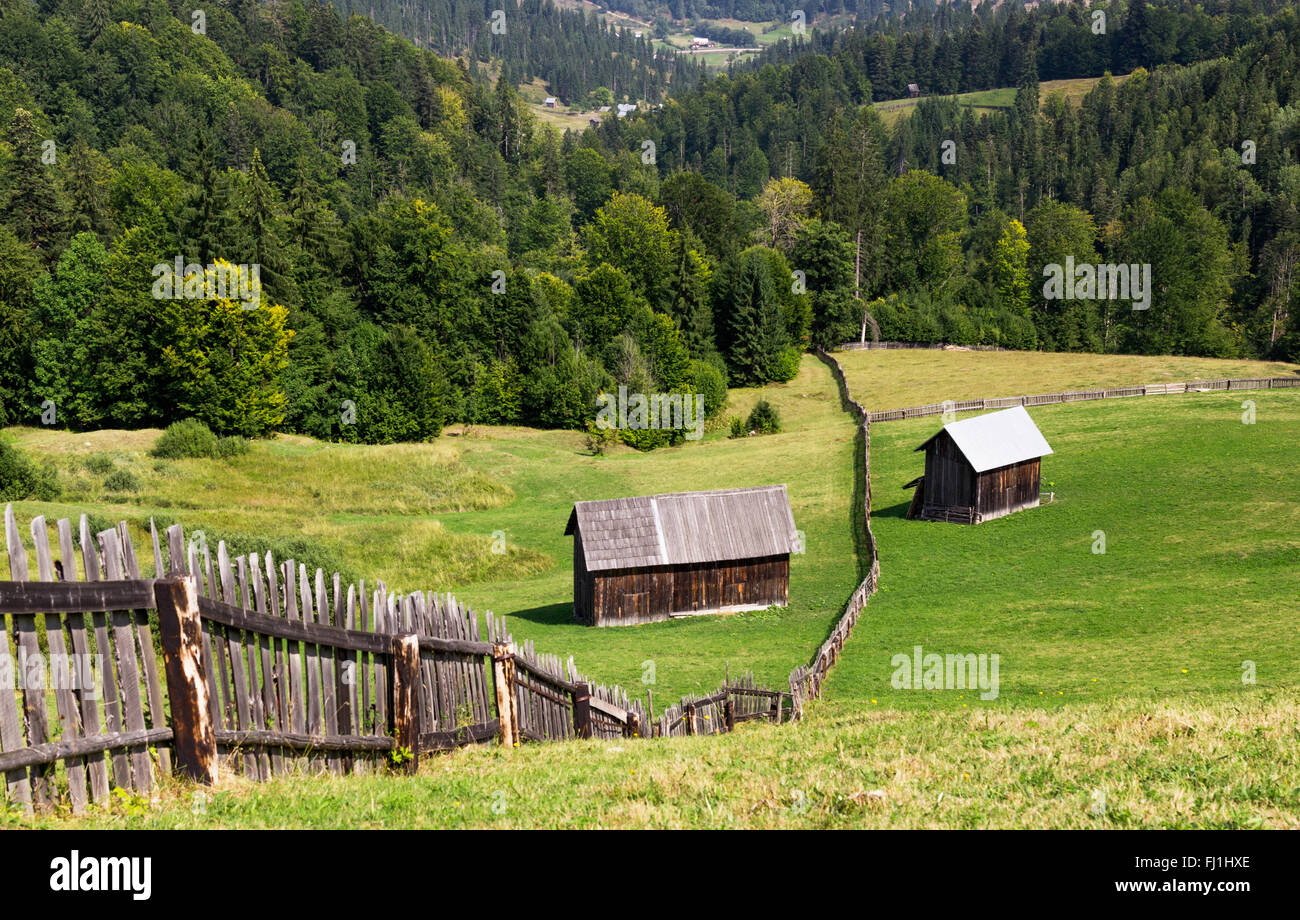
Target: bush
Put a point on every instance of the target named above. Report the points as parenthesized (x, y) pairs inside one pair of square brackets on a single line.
[(710, 383), (764, 418), (738, 429), (122, 481), (226, 448), (99, 464), (786, 365), (20, 478), (190, 438)]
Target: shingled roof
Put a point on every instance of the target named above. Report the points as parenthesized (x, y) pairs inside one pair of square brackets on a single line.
[(997, 439), (684, 527)]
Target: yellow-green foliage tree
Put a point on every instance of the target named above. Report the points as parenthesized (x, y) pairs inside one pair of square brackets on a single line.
[(1011, 267), (224, 361)]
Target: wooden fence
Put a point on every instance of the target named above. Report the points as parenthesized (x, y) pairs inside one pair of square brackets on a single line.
[(806, 680), (269, 670), (1043, 399)]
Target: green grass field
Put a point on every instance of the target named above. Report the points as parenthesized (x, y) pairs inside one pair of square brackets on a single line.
[(899, 378), (1189, 762), (1201, 571), (1120, 673), (424, 517), (988, 101)]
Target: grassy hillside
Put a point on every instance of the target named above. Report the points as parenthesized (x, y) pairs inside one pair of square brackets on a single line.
[(1201, 570), (898, 378), (1187, 763), (1120, 674), (426, 517), (987, 101)]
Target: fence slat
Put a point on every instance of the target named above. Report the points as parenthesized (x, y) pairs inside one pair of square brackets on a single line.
[(29, 650), (157, 717), (128, 667), (60, 677), (17, 786), (87, 697)]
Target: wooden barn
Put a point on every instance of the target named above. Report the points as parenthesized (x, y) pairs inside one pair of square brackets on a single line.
[(980, 468), (654, 557)]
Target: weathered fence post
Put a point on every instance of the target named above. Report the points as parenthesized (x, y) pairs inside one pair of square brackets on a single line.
[(181, 631), (688, 714), (729, 713), (503, 679), (582, 710), (406, 696)]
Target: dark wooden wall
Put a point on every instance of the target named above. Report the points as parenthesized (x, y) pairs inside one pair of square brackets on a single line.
[(619, 597), (582, 583), (1008, 489), (949, 479), (953, 491)]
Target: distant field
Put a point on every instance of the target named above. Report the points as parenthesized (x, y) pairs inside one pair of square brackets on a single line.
[(1201, 571), (1191, 762), (987, 101), (898, 378)]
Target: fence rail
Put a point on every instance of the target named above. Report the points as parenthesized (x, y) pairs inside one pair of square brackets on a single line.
[(1043, 399), (270, 670), (806, 680)]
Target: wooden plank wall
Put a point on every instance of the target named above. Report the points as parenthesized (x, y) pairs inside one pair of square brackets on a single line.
[(626, 597)]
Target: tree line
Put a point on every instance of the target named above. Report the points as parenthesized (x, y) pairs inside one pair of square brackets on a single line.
[(427, 253)]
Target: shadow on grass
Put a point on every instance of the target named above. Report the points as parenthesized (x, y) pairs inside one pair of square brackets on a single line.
[(893, 511), (551, 614)]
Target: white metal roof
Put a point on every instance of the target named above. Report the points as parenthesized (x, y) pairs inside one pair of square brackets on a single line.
[(997, 439)]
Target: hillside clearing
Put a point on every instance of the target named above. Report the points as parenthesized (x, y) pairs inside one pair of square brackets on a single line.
[(1197, 588), (481, 513), (899, 378)]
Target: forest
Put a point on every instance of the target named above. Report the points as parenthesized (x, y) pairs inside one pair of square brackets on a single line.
[(430, 253)]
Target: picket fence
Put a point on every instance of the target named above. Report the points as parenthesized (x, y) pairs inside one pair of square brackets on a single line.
[(109, 679)]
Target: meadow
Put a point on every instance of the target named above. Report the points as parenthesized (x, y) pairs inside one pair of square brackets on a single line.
[(1190, 762), (431, 517), (899, 378), (1121, 700), (1198, 515)]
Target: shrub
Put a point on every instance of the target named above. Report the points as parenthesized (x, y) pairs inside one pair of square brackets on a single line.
[(122, 481), (190, 438), (99, 464), (786, 365), (599, 439), (709, 382), (20, 478), (225, 448), (764, 418), (738, 429)]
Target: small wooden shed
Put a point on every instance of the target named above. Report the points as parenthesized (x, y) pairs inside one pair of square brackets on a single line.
[(980, 468), (655, 557)]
